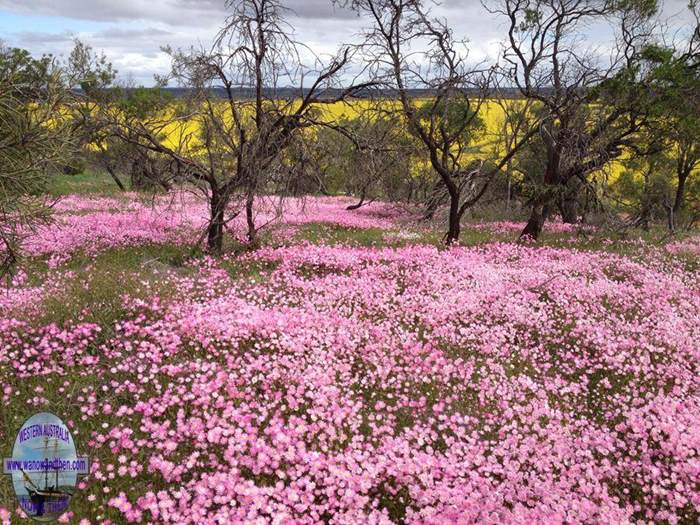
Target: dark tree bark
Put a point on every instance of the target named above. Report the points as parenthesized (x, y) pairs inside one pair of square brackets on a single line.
[(542, 203), (670, 219), (588, 204), (569, 202), (357, 206), (535, 224), (250, 217), (254, 44), (581, 129), (215, 230), (455, 83), (680, 191), (115, 178), (454, 226)]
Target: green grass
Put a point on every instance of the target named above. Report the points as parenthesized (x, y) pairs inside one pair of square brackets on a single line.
[(333, 234), (86, 183), (252, 271), (474, 237), (94, 292)]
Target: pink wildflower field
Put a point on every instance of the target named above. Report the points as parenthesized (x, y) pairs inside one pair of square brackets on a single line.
[(384, 379)]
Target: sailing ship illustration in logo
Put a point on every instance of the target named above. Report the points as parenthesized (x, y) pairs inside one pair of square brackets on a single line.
[(44, 467)]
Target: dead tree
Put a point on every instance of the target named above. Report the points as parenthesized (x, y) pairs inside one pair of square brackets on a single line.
[(591, 108), (232, 147), (448, 124)]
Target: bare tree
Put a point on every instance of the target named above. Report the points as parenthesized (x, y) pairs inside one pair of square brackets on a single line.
[(590, 108), (237, 123), (409, 49)]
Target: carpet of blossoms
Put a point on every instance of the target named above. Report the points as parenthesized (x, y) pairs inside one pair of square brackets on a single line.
[(502, 383), (95, 223)]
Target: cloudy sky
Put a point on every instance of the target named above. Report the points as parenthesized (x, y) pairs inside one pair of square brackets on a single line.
[(131, 32)]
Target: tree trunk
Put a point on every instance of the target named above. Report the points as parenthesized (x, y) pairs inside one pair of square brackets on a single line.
[(670, 219), (645, 212), (454, 221), (586, 206), (250, 219), (115, 177), (680, 192), (215, 230), (535, 225), (541, 206), (359, 204)]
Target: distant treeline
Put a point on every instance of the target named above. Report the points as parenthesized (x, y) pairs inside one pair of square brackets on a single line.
[(295, 92)]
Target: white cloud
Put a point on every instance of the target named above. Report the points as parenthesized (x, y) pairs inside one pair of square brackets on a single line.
[(131, 32)]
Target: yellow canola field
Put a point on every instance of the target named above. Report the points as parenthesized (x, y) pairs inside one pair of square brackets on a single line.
[(183, 133)]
